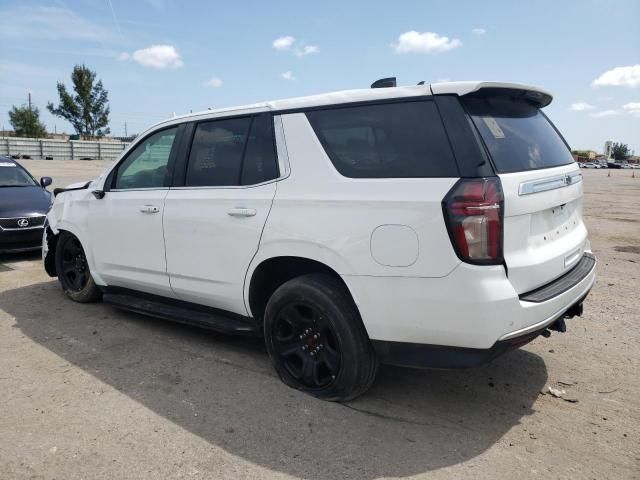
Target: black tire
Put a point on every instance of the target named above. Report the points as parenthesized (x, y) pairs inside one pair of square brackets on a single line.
[(316, 339), (73, 270)]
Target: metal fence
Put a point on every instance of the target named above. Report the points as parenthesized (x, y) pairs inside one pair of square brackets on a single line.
[(61, 149)]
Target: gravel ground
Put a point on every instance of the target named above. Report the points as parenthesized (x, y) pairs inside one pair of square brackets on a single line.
[(88, 391)]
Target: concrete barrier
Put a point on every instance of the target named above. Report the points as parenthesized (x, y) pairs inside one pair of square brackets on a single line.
[(62, 149)]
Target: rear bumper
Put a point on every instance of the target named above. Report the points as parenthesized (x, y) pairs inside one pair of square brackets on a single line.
[(560, 285), (440, 356), (473, 307)]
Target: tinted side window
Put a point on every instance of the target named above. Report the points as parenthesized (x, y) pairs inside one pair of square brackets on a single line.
[(259, 163), (393, 140), (146, 165), (216, 152)]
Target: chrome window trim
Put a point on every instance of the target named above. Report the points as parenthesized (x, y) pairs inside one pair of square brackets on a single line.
[(226, 187), (549, 183)]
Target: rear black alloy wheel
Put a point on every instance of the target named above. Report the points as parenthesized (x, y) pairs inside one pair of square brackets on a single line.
[(316, 339), (307, 345), (73, 270)]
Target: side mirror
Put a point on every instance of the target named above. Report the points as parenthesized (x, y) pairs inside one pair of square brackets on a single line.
[(46, 181)]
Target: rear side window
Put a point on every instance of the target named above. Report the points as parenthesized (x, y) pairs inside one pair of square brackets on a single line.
[(517, 134), (216, 152), (392, 140), (232, 152), (259, 163)]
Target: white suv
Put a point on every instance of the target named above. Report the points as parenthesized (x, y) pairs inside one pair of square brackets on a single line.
[(431, 226)]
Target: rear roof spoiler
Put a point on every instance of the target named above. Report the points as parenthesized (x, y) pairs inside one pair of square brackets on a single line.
[(535, 95)]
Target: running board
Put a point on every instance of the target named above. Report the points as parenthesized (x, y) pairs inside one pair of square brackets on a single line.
[(182, 312)]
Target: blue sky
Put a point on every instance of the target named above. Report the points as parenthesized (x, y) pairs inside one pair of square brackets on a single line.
[(157, 57)]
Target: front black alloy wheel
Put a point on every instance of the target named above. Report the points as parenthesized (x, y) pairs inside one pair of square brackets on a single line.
[(73, 270), (316, 339)]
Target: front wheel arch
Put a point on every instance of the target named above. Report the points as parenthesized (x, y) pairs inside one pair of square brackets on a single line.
[(49, 259)]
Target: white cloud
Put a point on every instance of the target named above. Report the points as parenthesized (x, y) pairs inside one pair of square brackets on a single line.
[(156, 56), (478, 31), (605, 113), (581, 106), (298, 48), (633, 108), (283, 43), (620, 77), (426, 43), (306, 50), (214, 82), (288, 75)]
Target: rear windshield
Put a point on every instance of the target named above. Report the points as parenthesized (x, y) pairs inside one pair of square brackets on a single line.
[(518, 136), (392, 140)]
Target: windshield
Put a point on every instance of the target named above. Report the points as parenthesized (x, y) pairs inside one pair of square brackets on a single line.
[(517, 134), (11, 175)]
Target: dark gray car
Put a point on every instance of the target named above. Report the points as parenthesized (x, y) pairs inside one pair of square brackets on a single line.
[(24, 203)]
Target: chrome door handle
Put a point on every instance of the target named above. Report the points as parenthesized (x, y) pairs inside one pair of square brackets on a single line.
[(149, 209), (241, 212)]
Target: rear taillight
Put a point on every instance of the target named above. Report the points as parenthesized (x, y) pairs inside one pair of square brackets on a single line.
[(474, 212)]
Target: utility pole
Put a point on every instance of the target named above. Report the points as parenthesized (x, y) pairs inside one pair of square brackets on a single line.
[(29, 102), (125, 129)]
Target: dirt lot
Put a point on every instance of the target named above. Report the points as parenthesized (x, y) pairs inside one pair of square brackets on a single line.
[(88, 391)]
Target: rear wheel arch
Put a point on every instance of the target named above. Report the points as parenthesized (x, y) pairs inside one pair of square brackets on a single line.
[(273, 272)]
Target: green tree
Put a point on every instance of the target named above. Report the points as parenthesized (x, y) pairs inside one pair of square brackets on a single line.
[(88, 109), (620, 151), (25, 121), (581, 153)]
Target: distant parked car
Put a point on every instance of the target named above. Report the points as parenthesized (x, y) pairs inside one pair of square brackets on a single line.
[(24, 204), (589, 165), (614, 165)]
